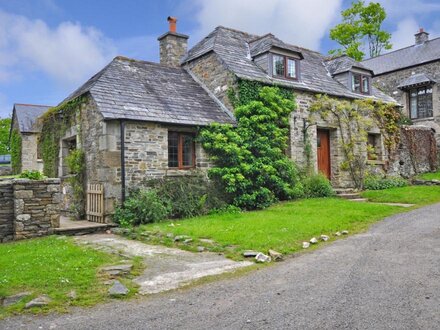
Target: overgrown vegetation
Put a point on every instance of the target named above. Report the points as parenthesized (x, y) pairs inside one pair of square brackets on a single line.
[(16, 151), (379, 182), (5, 126), (251, 166), (171, 197), (354, 119), (422, 148), (361, 30), (317, 185), (55, 122), (31, 175), (76, 164)]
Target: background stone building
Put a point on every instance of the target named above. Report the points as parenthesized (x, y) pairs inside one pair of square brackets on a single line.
[(25, 123), (411, 76)]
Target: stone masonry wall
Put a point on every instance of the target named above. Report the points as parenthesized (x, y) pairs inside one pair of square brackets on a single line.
[(211, 72), (6, 211), (29, 159), (28, 208), (389, 82)]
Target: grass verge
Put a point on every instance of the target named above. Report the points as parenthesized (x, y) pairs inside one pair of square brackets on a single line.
[(54, 266), (419, 195), (282, 227)]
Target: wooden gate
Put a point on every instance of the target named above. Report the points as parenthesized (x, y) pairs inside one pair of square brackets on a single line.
[(95, 203)]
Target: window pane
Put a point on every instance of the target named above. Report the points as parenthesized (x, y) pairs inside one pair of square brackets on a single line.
[(188, 151), (291, 68), (365, 85), (356, 82), (173, 148), (422, 105), (413, 104), (278, 65)]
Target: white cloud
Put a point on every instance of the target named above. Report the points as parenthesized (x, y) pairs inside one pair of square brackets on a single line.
[(69, 53), (403, 36), (5, 106), (403, 8), (294, 21)]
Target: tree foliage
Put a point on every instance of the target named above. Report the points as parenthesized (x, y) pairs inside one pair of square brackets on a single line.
[(16, 151), (5, 125), (250, 161), (361, 28)]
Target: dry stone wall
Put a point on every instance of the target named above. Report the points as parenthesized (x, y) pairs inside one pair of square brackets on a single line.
[(28, 208)]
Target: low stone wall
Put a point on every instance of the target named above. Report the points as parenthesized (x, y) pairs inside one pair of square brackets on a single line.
[(6, 211), (5, 170), (29, 208)]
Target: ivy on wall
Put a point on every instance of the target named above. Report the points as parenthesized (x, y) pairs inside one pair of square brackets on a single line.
[(247, 91), (354, 119), (16, 151), (75, 163), (55, 123)]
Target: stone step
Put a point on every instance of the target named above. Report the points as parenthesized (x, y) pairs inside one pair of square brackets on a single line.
[(77, 231), (358, 200), (349, 195)]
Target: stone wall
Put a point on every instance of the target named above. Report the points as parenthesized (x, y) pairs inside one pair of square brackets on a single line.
[(6, 211), (29, 158), (388, 83), (211, 72), (28, 208)]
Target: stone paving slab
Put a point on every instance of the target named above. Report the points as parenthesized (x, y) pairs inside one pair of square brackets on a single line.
[(166, 268)]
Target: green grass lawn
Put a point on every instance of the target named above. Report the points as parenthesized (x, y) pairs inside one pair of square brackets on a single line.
[(282, 227), (420, 195), (53, 266), (430, 176)]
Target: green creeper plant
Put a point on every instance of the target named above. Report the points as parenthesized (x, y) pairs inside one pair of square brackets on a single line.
[(15, 151), (250, 161), (5, 125)]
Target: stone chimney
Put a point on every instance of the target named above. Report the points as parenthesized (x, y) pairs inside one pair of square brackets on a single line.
[(172, 45), (421, 36)]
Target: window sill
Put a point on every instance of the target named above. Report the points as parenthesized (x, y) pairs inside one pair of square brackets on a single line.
[(423, 119)]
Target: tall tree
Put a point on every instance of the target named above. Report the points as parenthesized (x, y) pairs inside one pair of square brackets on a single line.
[(5, 124), (361, 28)]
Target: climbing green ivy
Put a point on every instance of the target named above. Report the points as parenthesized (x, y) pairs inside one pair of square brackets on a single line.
[(75, 163), (55, 123), (15, 151), (249, 90)]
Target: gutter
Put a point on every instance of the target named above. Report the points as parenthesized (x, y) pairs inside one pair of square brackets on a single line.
[(122, 130)]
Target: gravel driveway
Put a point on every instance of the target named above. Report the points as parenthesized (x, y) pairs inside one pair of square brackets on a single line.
[(387, 278)]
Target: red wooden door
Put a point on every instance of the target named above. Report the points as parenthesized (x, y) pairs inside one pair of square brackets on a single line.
[(323, 146)]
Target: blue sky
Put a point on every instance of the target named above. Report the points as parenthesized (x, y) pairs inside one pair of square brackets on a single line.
[(50, 47)]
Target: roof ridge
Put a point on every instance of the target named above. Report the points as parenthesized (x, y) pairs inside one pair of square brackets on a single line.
[(261, 37), (394, 51), (33, 105), (235, 30)]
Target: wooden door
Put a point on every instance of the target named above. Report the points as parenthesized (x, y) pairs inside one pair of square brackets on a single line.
[(323, 147)]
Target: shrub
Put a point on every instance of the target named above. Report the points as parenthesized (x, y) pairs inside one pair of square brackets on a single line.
[(251, 166), (188, 196), (317, 185), (32, 175), (141, 207), (376, 182)]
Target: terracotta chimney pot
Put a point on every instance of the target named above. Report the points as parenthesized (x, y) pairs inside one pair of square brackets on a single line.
[(172, 21)]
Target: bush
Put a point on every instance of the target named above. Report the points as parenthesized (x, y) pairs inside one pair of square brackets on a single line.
[(32, 175), (141, 207), (317, 185), (376, 182), (188, 196)]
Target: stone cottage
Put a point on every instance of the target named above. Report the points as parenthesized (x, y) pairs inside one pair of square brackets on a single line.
[(25, 125), (411, 76), (138, 119)]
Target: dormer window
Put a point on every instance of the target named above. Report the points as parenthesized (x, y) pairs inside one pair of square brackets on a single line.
[(360, 83), (284, 67)]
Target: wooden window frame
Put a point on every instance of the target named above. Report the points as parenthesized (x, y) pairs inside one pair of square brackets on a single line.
[(361, 85), (180, 136), (285, 59), (417, 101)]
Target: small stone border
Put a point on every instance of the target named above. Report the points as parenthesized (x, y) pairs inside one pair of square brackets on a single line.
[(420, 182)]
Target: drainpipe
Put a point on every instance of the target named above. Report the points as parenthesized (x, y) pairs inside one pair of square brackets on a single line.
[(122, 126)]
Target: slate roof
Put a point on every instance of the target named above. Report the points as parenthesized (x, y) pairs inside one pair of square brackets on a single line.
[(405, 57), (233, 49), (264, 43), (145, 91), (27, 115), (416, 79), (343, 64)]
